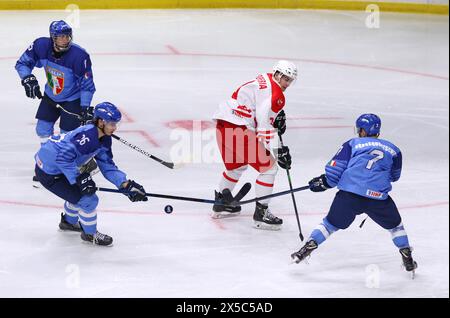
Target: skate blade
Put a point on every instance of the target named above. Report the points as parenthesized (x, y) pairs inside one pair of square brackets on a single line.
[(412, 273), (69, 231), (269, 227), (96, 245), (294, 260), (224, 215)]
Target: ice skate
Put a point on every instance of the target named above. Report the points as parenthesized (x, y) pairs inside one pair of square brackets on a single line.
[(36, 184), (408, 263), (97, 239), (66, 226), (304, 252), (264, 219), (222, 210)]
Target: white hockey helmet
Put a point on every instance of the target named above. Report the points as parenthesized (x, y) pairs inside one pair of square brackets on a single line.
[(286, 68)]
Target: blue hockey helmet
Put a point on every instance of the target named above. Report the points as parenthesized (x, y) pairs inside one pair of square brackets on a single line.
[(371, 124), (108, 112), (59, 28)]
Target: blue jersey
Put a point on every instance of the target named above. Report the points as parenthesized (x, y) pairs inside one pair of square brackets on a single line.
[(69, 77), (365, 166), (66, 153)]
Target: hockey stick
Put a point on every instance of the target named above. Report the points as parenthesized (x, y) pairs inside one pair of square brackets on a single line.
[(70, 113), (173, 197), (300, 234), (274, 195), (362, 223), (232, 200), (163, 196), (169, 165)]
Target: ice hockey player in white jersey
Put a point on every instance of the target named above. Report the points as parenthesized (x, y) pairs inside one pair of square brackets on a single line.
[(247, 128)]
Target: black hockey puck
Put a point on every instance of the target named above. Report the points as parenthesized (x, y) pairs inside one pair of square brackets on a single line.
[(168, 209)]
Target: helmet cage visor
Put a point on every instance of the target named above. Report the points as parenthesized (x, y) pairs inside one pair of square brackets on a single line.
[(57, 38)]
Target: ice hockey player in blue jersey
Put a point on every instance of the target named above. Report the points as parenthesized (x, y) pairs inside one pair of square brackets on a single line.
[(69, 84), (60, 168), (362, 170)]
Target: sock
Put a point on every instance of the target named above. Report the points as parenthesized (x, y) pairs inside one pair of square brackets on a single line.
[(264, 186), (230, 178), (264, 183), (399, 236), (322, 231), (71, 212), (88, 222)]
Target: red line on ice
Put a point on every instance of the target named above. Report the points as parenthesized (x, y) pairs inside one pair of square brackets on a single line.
[(176, 52), (187, 213), (127, 117), (9, 58), (173, 49), (144, 134), (418, 206), (218, 224)]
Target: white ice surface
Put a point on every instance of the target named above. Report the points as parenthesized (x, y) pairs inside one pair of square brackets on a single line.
[(162, 66)]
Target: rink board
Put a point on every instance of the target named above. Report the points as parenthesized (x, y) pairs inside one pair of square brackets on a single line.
[(405, 7)]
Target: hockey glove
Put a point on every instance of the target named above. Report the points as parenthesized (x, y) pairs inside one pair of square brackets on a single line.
[(86, 184), (284, 158), (87, 114), (135, 192), (319, 184), (280, 122), (31, 86)]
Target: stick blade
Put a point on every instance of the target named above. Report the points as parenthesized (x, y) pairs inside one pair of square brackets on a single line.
[(243, 192), (169, 165)]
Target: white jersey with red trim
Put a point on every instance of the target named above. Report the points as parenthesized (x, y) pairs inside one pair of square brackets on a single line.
[(255, 104)]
